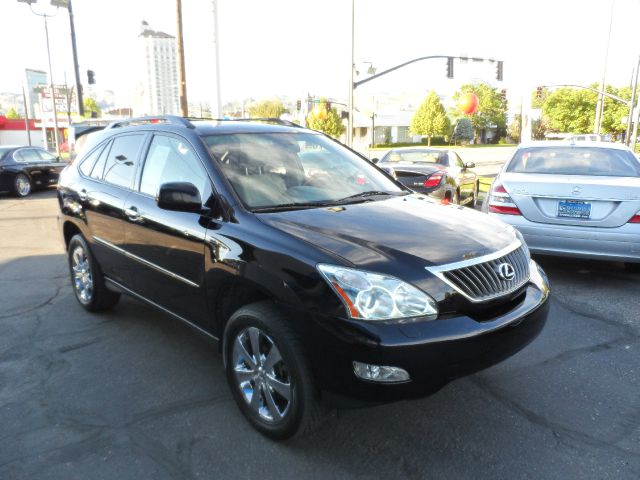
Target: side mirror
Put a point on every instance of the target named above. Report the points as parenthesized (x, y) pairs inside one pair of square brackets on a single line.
[(375, 160), (179, 197), (469, 165)]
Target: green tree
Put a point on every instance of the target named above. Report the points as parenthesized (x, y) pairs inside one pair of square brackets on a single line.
[(463, 131), (539, 128), (537, 102), (91, 108), (514, 128), (614, 111), (325, 120), (570, 110), (12, 113), (266, 109), (431, 118), (492, 108)]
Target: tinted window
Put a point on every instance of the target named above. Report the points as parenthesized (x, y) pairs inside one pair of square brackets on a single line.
[(121, 161), (575, 161), (46, 156), (88, 162), (28, 155), (98, 169), (171, 160), (455, 160)]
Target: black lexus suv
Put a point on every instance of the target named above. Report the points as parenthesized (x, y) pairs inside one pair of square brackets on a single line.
[(323, 279)]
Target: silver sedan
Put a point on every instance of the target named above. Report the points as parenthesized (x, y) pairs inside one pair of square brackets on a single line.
[(572, 199)]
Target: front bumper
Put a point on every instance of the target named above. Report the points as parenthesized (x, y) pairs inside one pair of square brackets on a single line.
[(432, 352), (617, 244)]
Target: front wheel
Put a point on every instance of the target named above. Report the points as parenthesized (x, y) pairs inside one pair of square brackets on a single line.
[(87, 279), (21, 185), (268, 373)]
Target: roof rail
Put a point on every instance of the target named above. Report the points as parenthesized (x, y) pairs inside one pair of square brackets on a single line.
[(174, 119), (271, 120)]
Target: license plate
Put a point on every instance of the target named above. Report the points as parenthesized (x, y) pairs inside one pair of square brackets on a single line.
[(574, 209)]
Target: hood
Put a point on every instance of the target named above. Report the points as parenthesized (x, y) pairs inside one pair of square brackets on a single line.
[(383, 235)]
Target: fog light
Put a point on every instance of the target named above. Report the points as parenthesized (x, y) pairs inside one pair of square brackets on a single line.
[(378, 373)]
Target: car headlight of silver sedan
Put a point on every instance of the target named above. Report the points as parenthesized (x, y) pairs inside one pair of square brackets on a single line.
[(373, 296)]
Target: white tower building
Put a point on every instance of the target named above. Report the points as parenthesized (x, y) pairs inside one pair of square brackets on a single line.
[(158, 90)]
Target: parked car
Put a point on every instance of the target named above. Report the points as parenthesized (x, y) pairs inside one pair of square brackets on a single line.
[(25, 168), (319, 284), (436, 172), (572, 199)]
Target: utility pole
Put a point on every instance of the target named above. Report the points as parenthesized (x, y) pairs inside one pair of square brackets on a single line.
[(216, 104), (351, 72), (75, 61), (182, 76), (634, 86), (53, 92), (26, 114), (600, 104)]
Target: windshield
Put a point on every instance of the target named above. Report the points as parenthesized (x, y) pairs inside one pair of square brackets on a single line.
[(293, 169), (595, 161), (417, 156), (3, 151)]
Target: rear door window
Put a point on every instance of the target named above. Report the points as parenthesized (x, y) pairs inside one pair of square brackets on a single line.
[(121, 163), (89, 161)]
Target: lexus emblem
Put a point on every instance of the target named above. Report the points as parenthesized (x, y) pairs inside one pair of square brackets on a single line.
[(506, 271), (576, 190)]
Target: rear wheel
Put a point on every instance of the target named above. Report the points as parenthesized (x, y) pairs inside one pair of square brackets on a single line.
[(456, 198), (87, 279), (268, 373), (21, 185), (474, 202)]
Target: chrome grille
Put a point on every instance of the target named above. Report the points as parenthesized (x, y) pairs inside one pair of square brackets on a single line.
[(479, 279)]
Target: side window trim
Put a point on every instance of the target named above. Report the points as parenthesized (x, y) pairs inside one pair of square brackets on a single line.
[(105, 151)]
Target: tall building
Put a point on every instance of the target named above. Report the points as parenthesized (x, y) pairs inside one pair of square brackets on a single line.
[(158, 89)]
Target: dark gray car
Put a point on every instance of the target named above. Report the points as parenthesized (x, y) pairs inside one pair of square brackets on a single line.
[(439, 173)]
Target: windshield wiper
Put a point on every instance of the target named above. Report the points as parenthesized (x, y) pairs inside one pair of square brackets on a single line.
[(292, 206), (365, 195)]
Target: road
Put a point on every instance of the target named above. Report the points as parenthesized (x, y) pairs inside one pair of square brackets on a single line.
[(133, 394)]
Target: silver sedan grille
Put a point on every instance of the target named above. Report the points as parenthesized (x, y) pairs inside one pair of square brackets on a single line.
[(488, 277)]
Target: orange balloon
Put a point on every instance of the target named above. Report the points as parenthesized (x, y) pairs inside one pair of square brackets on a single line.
[(469, 103)]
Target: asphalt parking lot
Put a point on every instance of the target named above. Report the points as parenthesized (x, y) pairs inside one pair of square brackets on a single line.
[(134, 394)]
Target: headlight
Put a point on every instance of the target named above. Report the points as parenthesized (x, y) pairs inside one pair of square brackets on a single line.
[(371, 296)]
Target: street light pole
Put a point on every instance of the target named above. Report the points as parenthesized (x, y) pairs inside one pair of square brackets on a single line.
[(216, 107), (53, 92), (627, 137), (182, 76), (600, 104), (351, 82), (75, 61)]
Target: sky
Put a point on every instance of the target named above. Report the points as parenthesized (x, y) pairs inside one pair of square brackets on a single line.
[(295, 47)]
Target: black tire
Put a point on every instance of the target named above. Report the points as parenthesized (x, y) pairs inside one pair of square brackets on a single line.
[(22, 185), (632, 267), (456, 198), (303, 412), (100, 297), (474, 202)]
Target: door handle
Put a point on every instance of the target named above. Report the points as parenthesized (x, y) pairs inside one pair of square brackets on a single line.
[(83, 195), (132, 213)]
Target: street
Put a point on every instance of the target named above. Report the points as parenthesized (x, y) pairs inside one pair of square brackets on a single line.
[(134, 394)]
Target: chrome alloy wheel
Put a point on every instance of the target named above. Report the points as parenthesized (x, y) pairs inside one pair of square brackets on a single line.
[(82, 278), (23, 186), (261, 375)]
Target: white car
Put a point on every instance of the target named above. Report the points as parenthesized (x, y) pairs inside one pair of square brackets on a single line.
[(572, 199)]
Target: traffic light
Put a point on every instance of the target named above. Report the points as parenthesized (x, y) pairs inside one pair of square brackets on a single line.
[(91, 77), (298, 105), (449, 67), (499, 70), (503, 94), (539, 93)]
